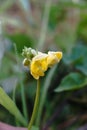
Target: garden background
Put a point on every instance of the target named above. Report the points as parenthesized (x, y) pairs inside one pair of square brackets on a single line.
[(55, 25)]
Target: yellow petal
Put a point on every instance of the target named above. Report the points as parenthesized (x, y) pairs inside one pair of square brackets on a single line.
[(58, 54), (38, 65), (53, 58)]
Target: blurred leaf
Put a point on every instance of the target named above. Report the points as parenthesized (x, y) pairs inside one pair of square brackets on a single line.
[(7, 102), (34, 128), (56, 15), (78, 58), (9, 83), (31, 90), (66, 30), (11, 21), (82, 28), (72, 81), (2, 50), (6, 68), (5, 5), (74, 4), (66, 34), (26, 7), (21, 40), (82, 68)]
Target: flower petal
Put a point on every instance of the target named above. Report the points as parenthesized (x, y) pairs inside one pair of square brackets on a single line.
[(38, 65), (58, 54), (53, 58)]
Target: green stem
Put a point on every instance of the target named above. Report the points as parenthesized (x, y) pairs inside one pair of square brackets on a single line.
[(23, 101), (35, 106), (44, 95), (14, 99), (22, 87)]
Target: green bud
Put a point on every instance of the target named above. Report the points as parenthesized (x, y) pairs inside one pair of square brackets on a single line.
[(29, 53)]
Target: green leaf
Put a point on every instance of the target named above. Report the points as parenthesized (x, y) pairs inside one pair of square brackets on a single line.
[(72, 81), (8, 103), (22, 39), (78, 58), (34, 128), (82, 68)]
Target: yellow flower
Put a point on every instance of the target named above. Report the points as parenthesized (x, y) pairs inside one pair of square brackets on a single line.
[(38, 65), (41, 62)]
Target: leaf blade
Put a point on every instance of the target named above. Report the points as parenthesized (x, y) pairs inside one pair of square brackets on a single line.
[(8, 103), (72, 81)]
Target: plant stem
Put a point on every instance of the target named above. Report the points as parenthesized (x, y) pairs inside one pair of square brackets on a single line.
[(43, 96), (23, 101), (24, 106), (35, 106)]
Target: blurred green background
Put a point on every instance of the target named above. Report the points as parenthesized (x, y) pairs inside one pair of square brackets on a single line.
[(57, 25)]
